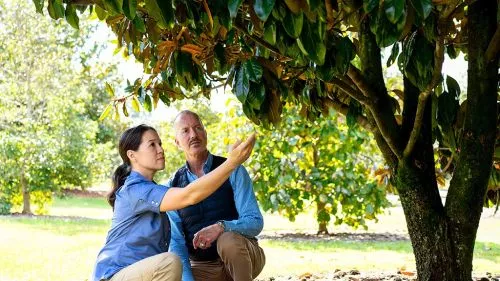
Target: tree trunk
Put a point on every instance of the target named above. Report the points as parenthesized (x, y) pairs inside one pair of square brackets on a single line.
[(443, 237), (26, 195), (468, 186), (320, 208)]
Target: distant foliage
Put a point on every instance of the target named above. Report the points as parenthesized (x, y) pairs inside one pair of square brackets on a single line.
[(48, 139)]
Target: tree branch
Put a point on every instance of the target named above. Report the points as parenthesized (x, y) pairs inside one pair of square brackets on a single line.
[(422, 98), (359, 81), (344, 109), (346, 88), (260, 41)]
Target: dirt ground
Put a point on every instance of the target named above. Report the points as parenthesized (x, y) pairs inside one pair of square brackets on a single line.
[(355, 275)]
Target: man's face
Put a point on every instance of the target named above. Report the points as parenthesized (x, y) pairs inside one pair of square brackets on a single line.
[(190, 135)]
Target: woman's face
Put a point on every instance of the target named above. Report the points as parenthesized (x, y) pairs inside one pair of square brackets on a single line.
[(149, 156)]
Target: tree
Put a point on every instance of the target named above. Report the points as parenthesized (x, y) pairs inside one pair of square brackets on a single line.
[(46, 140), (322, 162), (327, 54)]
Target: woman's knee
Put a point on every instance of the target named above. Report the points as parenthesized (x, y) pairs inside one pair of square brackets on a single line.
[(171, 263)]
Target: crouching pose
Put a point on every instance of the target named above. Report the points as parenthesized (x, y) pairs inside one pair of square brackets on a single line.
[(137, 243)]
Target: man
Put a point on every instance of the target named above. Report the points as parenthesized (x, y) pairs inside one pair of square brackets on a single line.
[(215, 238)]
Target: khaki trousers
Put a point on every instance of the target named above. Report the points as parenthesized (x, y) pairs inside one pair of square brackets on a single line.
[(241, 259), (161, 267)]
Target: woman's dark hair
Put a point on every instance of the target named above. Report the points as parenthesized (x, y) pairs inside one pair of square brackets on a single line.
[(130, 140)]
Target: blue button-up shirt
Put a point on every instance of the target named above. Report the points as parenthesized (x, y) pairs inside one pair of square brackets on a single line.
[(138, 230), (249, 222)]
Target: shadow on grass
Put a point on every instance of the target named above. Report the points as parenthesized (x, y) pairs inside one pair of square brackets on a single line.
[(365, 242)]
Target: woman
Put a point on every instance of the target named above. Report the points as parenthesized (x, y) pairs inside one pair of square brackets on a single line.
[(137, 243)]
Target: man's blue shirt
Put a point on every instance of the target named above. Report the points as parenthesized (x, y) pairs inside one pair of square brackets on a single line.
[(138, 230), (249, 222)]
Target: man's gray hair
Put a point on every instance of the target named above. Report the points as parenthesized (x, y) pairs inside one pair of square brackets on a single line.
[(187, 111)]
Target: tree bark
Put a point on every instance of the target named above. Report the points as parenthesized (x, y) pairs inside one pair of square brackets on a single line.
[(320, 207), (443, 237), (468, 186), (26, 195)]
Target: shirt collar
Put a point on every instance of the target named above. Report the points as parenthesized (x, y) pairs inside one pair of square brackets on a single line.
[(206, 166), (135, 177)]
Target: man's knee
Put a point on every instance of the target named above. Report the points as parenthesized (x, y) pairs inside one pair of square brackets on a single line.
[(230, 244)]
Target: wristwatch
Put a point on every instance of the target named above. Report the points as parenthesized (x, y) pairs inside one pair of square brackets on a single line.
[(221, 224)]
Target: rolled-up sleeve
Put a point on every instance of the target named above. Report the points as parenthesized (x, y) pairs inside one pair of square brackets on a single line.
[(146, 197)]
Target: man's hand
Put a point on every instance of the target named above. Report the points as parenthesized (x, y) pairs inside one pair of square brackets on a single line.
[(204, 238)]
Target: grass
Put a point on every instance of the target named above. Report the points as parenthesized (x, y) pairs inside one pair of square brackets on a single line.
[(97, 208), (64, 248)]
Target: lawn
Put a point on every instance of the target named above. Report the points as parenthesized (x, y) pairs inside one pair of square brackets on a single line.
[(64, 248)]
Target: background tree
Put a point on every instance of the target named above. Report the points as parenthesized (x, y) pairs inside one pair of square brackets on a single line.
[(339, 180), (326, 54), (320, 162), (47, 141)]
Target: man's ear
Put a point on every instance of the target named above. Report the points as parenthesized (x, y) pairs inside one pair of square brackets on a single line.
[(177, 144)]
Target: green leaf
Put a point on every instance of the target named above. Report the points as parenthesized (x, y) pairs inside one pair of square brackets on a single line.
[(451, 51), (405, 56), (345, 54), (162, 11), (314, 4), (394, 54), (106, 112), (394, 9), (453, 87), (355, 110), (447, 110), (39, 5), (369, 5), (270, 33), (135, 104), (55, 9), (311, 45), (109, 90), (423, 7), (233, 6), (386, 33), (113, 7), (421, 63), (263, 8), (164, 98), (139, 24), (124, 109), (101, 14), (254, 70), (147, 103), (256, 95), (241, 83), (279, 12), (292, 23), (71, 16), (129, 8)]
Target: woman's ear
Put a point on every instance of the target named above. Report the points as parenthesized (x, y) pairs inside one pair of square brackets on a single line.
[(131, 155)]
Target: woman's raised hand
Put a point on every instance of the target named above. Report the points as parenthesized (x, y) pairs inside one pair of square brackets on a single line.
[(241, 151)]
